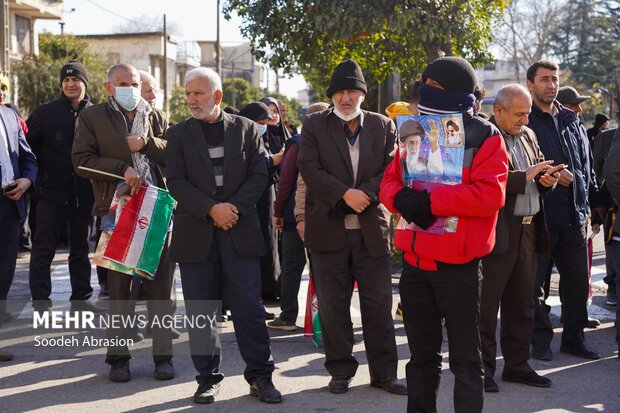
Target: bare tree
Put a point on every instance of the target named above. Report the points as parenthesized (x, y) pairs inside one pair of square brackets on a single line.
[(524, 36), (146, 23)]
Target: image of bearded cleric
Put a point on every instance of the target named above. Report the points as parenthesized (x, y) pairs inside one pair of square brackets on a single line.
[(411, 135)]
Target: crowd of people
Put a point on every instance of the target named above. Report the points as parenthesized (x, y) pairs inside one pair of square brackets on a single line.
[(258, 199)]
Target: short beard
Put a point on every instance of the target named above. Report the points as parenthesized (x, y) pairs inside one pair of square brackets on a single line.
[(208, 112)]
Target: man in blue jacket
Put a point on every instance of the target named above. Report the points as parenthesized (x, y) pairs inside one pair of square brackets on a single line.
[(18, 170), (566, 210)]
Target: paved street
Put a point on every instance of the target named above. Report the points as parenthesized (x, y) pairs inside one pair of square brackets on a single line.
[(45, 381)]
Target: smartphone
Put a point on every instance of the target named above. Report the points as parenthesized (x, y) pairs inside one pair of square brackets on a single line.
[(8, 188)]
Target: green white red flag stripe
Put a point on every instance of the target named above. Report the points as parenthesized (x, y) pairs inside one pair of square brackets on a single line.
[(139, 234)]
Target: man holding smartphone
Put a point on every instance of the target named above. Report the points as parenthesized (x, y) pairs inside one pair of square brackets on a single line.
[(509, 271), (18, 170)]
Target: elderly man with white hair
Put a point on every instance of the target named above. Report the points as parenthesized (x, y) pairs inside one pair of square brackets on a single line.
[(216, 170), (509, 271)]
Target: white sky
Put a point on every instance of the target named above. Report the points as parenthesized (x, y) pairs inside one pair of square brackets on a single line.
[(195, 18)]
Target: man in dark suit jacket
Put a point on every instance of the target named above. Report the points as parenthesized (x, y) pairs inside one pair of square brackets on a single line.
[(343, 154), (216, 171), (510, 270), (18, 170)]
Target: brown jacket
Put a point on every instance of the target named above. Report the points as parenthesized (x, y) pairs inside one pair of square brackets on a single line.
[(101, 143), (516, 185), (325, 164)]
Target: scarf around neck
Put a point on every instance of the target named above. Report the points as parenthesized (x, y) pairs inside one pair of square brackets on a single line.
[(435, 101)]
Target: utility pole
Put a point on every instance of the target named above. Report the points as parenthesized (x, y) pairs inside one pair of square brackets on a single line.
[(164, 71), (218, 56), (4, 37), (62, 28)]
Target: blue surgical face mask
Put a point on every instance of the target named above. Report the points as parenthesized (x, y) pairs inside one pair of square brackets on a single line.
[(127, 96), (261, 129)]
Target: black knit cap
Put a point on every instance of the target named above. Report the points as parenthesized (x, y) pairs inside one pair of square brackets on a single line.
[(347, 75), (74, 68), (453, 73)]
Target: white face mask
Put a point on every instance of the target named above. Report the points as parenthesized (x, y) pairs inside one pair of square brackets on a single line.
[(127, 96), (261, 129), (352, 115)]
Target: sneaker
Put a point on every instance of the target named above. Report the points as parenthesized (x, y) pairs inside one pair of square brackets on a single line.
[(612, 298), (399, 312), (164, 370), (266, 392), (119, 371), (279, 324), (206, 393)]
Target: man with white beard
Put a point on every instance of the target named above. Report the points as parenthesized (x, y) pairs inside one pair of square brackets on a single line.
[(216, 170), (343, 153)]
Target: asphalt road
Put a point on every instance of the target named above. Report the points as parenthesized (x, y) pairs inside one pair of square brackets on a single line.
[(48, 381)]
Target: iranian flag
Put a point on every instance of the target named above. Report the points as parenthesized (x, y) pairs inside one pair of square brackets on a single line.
[(139, 235), (312, 322)]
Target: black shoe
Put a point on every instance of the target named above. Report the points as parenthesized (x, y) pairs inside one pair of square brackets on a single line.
[(85, 305), (489, 385), (339, 384), (119, 371), (592, 323), (581, 351), (6, 355), (545, 354), (206, 393), (268, 315), (264, 389), (164, 370), (531, 379), (390, 385)]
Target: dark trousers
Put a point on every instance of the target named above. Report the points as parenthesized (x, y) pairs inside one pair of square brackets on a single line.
[(293, 263), (615, 245), (52, 219), (9, 245), (610, 277), (452, 293), (334, 275), (508, 279), (239, 281), (158, 305), (569, 252)]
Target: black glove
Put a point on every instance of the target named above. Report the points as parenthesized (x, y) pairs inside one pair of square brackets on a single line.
[(415, 206)]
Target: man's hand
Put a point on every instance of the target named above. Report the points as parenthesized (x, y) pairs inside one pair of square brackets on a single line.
[(132, 177), (278, 222), (551, 176), (532, 171), (135, 143), (566, 177), (277, 158), (22, 186), (356, 199), (301, 229), (224, 215)]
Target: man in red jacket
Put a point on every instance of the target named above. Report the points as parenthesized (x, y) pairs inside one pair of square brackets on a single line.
[(441, 273)]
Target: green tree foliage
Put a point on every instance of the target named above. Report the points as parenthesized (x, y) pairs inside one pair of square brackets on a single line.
[(311, 36), (588, 41), (238, 92), (39, 76), (177, 106)]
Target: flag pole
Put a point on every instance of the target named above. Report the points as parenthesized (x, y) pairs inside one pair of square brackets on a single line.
[(101, 172)]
